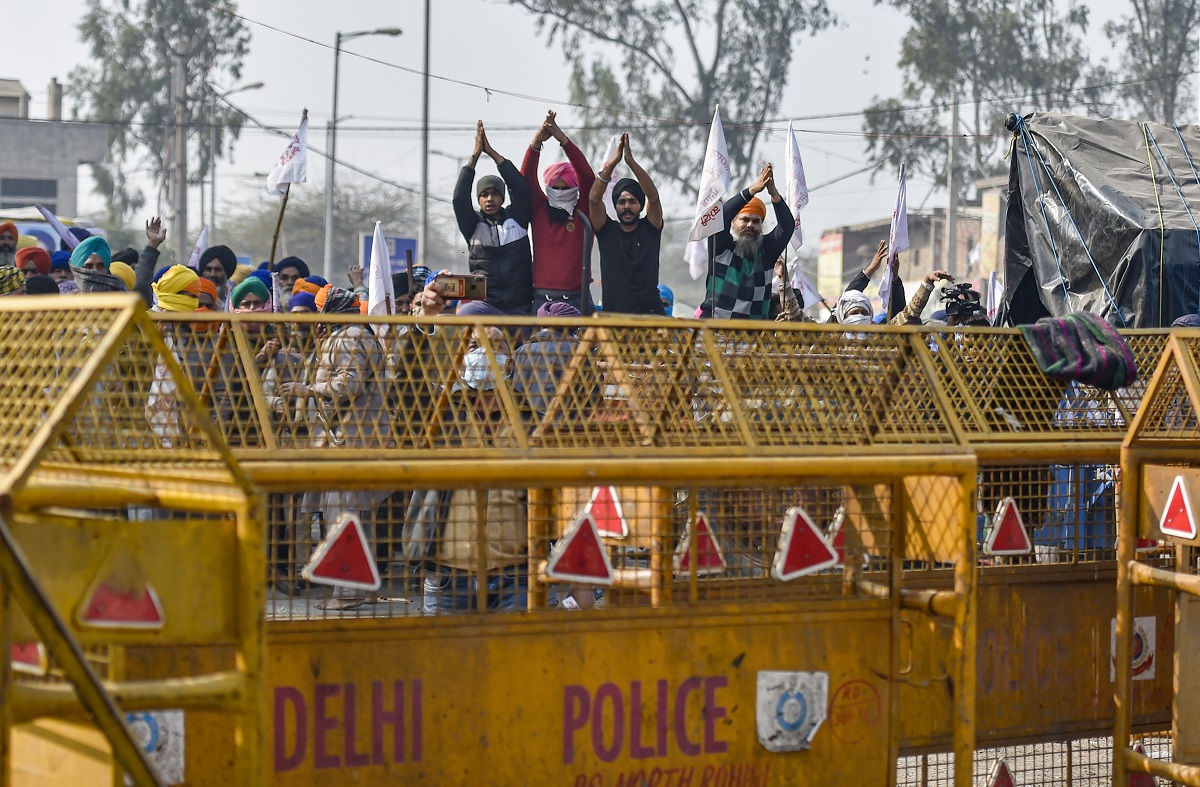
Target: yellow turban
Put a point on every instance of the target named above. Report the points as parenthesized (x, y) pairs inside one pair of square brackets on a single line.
[(177, 290), (123, 272), (240, 273), (26, 241), (755, 206)]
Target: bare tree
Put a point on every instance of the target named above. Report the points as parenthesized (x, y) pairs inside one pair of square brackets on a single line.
[(638, 61), (1156, 44)]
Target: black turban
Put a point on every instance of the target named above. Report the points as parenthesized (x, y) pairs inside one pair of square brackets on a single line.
[(127, 255), (293, 262), (632, 186), (223, 255)]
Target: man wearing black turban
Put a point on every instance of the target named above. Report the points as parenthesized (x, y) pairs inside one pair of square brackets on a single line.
[(217, 264), (628, 248)]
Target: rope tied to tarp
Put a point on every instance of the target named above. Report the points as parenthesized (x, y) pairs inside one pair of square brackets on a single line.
[(1187, 154), (1020, 126)]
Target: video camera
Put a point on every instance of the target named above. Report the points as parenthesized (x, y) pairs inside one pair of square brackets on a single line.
[(962, 303)]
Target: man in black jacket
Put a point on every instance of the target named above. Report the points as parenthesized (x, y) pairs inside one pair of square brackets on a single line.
[(497, 237)]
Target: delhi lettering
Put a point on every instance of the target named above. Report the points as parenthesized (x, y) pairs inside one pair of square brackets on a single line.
[(395, 734), (610, 720)]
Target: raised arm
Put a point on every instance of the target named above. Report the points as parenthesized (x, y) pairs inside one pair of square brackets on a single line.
[(533, 156), (464, 209), (148, 260), (596, 210), (654, 213), (583, 170)]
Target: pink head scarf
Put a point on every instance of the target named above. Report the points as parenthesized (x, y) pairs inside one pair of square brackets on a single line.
[(564, 170)]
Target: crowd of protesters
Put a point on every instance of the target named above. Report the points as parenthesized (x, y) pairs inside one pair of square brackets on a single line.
[(532, 240)]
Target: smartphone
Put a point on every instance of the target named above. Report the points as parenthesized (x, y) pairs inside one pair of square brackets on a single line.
[(466, 286)]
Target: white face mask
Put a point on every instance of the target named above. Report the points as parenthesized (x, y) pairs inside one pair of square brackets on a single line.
[(563, 199), (477, 372), (857, 319)]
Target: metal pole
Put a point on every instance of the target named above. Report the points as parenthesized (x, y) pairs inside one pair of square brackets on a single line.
[(212, 167), (182, 252), (329, 162), (423, 217), (952, 207)]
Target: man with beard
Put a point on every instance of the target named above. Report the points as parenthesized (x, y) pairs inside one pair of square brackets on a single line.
[(8, 244), (629, 248), (217, 264), (739, 283), (560, 227)]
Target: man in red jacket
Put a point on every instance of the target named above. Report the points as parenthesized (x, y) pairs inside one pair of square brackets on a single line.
[(562, 234)]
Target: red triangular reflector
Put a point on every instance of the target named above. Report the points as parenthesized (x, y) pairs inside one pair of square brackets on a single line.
[(607, 511), (1177, 519), (1140, 779), (580, 556), (344, 558), (709, 559), (120, 597), (30, 658), (1000, 775), (836, 535), (802, 550), (1008, 536)]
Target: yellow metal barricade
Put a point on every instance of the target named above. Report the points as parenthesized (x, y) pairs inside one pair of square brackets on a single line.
[(720, 465), (1051, 449), (125, 524), (1157, 553)]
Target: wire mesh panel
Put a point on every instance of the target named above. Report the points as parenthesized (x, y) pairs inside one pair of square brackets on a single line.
[(431, 547), (1071, 762)]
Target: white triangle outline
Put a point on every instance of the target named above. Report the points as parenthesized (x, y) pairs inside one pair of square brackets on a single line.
[(685, 546), (798, 514), (318, 556), (1001, 510), (612, 491), (1187, 508), (40, 669), (584, 520), (995, 773), (102, 575)]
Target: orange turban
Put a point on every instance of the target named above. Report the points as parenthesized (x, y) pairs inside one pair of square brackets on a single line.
[(303, 285), (756, 207), (208, 287), (10, 228), (38, 256)]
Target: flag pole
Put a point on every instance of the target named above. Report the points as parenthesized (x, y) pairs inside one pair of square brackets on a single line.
[(287, 190)]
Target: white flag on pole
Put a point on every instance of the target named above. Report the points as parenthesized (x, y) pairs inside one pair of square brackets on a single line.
[(797, 199), (897, 240), (201, 243), (292, 166), (714, 182), (381, 296), (797, 186), (995, 296)]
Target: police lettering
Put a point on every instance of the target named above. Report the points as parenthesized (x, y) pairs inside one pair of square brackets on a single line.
[(613, 721)]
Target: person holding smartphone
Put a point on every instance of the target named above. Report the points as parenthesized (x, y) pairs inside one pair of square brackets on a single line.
[(497, 236)]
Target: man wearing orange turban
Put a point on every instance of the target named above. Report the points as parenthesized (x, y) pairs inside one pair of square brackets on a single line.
[(8, 244), (743, 264)]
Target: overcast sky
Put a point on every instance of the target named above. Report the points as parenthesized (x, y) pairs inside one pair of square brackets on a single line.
[(493, 44)]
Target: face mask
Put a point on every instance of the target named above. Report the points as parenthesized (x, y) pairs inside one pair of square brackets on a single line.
[(857, 319), (477, 372), (563, 199)]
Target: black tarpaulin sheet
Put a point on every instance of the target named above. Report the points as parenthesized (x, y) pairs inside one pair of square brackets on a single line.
[(1079, 185)]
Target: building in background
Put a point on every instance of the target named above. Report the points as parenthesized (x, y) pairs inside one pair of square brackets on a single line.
[(39, 159), (844, 251)]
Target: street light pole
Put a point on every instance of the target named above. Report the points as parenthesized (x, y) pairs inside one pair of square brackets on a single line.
[(331, 159), (423, 209)]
